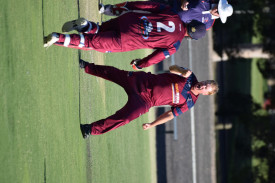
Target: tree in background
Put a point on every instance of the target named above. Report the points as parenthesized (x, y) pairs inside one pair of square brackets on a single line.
[(250, 18)]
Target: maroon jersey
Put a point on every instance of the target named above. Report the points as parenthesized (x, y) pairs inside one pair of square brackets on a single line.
[(171, 89), (158, 28)]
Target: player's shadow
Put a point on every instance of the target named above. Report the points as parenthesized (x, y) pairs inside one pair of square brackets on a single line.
[(45, 171), (161, 149), (43, 23)]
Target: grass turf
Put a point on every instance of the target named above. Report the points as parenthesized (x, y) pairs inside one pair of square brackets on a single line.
[(45, 97)]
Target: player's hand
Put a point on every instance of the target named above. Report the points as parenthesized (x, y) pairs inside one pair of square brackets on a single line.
[(146, 126), (134, 64), (188, 73), (184, 6), (135, 61)]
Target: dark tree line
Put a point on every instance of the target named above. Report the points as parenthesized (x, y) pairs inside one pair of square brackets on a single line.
[(250, 18), (250, 124)]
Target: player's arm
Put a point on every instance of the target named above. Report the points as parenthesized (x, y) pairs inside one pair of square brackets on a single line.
[(165, 117), (156, 57), (184, 72)]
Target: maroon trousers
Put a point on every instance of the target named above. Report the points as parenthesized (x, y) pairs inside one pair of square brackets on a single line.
[(133, 84), (107, 39)]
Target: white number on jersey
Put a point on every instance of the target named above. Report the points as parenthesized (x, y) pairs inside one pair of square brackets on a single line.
[(169, 28)]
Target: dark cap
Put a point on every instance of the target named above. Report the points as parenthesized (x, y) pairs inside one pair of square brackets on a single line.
[(196, 29)]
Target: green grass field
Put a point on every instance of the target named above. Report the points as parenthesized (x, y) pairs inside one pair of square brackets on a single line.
[(45, 96)]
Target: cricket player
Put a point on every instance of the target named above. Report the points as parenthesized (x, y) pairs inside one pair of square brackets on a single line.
[(179, 89), (158, 28), (205, 11)]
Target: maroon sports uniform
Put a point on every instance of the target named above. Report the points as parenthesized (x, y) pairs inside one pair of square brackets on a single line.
[(144, 91), (159, 28)]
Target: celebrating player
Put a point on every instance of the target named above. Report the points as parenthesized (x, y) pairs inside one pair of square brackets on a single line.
[(179, 89), (159, 28)]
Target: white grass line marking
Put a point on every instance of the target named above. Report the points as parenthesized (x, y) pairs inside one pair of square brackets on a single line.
[(192, 120), (175, 119)]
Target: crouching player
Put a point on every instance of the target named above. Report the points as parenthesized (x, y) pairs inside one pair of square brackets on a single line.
[(179, 89)]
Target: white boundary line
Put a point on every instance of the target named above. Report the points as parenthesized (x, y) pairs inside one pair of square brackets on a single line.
[(174, 119), (192, 120)]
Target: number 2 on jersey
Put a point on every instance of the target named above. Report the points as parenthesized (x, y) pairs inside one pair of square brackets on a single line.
[(169, 28)]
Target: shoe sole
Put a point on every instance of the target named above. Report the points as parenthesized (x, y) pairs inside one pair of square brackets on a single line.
[(74, 25)]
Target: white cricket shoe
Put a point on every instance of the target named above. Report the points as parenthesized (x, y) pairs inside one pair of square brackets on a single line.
[(101, 8), (78, 25), (106, 9), (50, 39)]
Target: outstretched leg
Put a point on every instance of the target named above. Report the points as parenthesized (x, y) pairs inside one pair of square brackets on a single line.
[(67, 40), (134, 108), (126, 79), (107, 39), (83, 25), (103, 42)]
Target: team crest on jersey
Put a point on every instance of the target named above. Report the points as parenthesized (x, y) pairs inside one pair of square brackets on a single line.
[(205, 19), (145, 27)]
